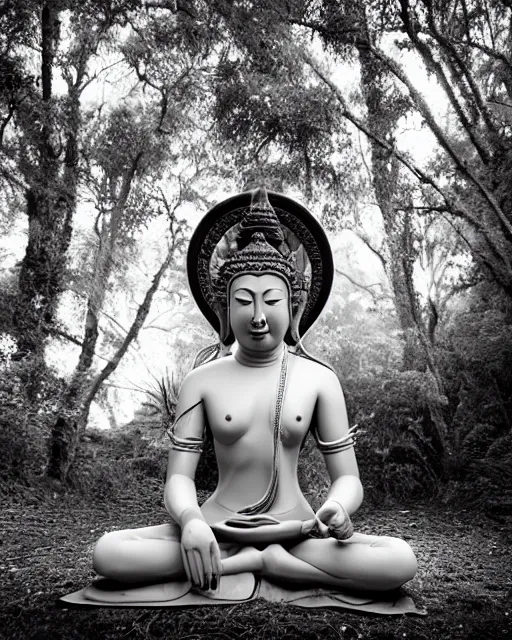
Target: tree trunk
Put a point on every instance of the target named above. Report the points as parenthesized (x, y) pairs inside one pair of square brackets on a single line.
[(385, 173), (67, 430), (418, 351), (72, 417), (51, 201)]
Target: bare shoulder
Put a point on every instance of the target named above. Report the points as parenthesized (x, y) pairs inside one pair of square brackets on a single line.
[(207, 372), (323, 376)]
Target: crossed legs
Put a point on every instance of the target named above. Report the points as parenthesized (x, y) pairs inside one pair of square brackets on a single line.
[(139, 555), (368, 563), (363, 562)]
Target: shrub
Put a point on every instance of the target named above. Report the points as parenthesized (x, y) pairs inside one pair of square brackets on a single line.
[(24, 425), (114, 464)]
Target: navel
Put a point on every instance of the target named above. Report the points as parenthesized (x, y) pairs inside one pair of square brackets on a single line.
[(299, 418), (228, 418)]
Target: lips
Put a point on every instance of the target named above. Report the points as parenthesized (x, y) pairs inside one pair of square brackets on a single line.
[(258, 335)]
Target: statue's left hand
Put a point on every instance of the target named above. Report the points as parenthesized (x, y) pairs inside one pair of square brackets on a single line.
[(333, 520), (200, 554)]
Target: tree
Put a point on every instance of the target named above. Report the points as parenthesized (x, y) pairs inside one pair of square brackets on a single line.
[(60, 150), (142, 162), (41, 135), (465, 48)]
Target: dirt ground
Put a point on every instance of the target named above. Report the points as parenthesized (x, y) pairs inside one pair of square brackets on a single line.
[(464, 579)]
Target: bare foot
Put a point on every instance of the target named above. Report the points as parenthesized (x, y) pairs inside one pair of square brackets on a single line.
[(247, 559)]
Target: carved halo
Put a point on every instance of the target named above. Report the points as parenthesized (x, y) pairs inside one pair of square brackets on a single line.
[(218, 229)]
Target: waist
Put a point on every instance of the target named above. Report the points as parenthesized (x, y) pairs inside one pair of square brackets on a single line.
[(214, 511)]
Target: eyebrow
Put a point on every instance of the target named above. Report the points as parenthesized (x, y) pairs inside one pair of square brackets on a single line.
[(251, 292)]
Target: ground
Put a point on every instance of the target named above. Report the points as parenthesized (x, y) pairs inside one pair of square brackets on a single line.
[(464, 579)]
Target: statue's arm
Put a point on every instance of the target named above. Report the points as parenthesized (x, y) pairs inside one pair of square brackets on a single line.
[(199, 549), (180, 495), (332, 426)]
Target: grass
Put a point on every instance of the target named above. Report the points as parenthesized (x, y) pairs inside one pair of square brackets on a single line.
[(464, 579)]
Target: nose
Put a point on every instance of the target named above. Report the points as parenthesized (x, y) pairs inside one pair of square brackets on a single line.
[(258, 320)]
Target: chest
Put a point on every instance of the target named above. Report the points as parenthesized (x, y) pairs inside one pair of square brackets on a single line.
[(241, 409)]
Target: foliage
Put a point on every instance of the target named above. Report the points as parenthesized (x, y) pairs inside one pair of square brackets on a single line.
[(111, 466), (479, 376), (163, 400), (24, 427), (200, 98), (397, 459)]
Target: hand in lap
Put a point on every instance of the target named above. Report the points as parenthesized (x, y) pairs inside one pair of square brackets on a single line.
[(201, 554), (333, 520)]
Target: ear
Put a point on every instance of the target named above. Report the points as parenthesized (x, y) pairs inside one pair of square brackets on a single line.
[(225, 333), (295, 321)]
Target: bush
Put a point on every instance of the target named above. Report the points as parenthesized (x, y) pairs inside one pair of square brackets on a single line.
[(114, 464), (398, 449), (24, 426)]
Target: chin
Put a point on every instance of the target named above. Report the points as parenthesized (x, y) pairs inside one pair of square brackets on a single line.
[(262, 344)]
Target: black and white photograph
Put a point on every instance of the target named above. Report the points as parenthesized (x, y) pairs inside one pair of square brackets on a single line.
[(256, 319)]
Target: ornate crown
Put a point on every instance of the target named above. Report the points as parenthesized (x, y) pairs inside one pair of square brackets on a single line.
[(258, 250), (256, 232)]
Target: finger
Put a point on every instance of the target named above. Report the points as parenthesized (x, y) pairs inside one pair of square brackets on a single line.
[(323, 529), (216, 564), (349, 531), (194, 568), (200, 568), (186, 565), (308, 526), (206, 561), (343, 530)]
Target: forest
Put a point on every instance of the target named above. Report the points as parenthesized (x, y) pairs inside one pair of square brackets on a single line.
[(121, 123)]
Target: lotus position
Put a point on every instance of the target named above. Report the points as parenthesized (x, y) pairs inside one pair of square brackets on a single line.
[(259, 273)]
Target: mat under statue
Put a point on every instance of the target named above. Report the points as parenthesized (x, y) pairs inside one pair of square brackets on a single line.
[(260, 268)]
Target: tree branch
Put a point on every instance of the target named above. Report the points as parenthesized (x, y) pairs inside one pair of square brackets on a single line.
[(427, 114), (364, 287), (492, 53), (439, 72), (68, 336), (452, 206), (133, 332), (452, 51)]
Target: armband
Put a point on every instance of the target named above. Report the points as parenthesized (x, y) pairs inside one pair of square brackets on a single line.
[(335, 446), (191, 444)]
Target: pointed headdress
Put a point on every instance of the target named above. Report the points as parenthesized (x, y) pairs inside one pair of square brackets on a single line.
[(260, 232)]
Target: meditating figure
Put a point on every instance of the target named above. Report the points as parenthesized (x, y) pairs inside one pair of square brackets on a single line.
[(261, 273)]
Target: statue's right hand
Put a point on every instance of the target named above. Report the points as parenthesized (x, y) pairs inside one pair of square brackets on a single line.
[(201, 554)]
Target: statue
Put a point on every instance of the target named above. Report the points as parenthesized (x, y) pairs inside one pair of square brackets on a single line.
[(260, 273)]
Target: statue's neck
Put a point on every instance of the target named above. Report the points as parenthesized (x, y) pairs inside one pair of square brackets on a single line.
[(258, 358)]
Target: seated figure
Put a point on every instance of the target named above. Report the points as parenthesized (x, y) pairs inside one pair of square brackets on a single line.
[(261, 273)]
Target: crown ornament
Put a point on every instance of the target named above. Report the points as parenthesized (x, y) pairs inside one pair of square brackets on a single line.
[(262, 218), (260, 235), (260, 232)]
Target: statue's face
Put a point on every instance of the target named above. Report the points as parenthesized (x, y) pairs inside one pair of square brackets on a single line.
[(259, 311)]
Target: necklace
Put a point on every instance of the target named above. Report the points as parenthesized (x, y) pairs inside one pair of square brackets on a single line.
[(268, 499)]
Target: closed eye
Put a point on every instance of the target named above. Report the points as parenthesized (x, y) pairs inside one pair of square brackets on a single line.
[(272, 303), (243, 301)]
